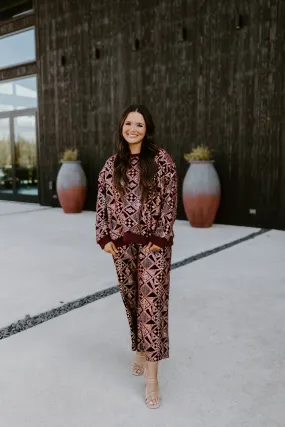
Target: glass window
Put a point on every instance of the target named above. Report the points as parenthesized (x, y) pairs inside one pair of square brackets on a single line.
[(17, 48), (5, 157), (18, 94), (26, 155)]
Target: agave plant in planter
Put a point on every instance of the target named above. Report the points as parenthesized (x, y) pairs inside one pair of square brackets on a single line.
[(201, 188), (71, 182)]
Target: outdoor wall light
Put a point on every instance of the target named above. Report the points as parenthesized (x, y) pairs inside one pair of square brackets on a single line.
[(136, 44), (97, 53), (183, 34), (63, 60), (239, 22)]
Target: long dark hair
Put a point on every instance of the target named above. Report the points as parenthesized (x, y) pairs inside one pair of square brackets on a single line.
[(147, 155)]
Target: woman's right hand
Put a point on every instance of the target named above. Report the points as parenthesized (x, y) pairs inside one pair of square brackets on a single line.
[(110, 248)]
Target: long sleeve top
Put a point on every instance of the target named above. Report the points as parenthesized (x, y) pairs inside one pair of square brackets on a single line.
[(126, 220)]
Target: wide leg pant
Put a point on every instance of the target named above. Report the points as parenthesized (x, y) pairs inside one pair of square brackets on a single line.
[(144, 285)]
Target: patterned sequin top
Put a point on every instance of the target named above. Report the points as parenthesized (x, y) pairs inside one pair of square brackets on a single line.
[(126, 220)]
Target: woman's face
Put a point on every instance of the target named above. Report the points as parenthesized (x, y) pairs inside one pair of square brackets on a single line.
[(134, 128)]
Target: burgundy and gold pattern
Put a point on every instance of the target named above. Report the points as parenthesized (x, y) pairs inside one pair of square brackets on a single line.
[(144, 285), (143, 275), (129, 221)]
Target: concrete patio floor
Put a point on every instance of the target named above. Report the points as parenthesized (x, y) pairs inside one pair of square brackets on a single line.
[(227, 329)]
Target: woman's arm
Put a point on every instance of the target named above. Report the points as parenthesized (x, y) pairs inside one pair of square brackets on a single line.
[(164, 231), (102, 229)]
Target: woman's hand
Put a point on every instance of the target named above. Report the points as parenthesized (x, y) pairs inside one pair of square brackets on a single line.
[(153, 248), (110, 248)]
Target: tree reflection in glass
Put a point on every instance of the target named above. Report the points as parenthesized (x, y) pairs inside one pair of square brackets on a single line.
[(26, 155), (5, 157)]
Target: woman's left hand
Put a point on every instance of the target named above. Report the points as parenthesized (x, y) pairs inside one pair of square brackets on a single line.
[(153, 248)]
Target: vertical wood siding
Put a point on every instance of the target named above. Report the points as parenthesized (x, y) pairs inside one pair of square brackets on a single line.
[(204, 80)]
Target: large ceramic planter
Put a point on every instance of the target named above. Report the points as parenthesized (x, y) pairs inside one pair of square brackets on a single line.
[(71, 186), (201, 193)]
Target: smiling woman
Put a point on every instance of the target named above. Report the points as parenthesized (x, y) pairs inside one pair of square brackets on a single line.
[(134, 130), (136, 210), (136, 133)]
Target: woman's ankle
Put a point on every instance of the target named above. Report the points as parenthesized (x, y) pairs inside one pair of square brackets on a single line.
[(151, 369)]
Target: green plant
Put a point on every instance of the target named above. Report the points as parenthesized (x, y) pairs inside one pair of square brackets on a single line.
[(69, 155), (200, 153)]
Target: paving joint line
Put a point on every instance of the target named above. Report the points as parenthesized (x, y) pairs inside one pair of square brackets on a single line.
[(30, 322), (24, 212)]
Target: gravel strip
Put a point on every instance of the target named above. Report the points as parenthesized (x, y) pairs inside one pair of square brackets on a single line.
[(30, 322), (201, 255)]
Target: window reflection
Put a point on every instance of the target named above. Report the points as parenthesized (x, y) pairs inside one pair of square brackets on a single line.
[(5, 157), (18, 94), (26, 155), (17, 48)]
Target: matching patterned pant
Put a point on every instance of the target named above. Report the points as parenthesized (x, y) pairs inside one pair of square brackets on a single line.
[(144, 285)]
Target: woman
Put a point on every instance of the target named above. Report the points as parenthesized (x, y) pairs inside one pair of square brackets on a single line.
[(136, 210)]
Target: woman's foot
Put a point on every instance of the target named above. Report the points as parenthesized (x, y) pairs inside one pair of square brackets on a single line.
[(152, 395), (138, 365)]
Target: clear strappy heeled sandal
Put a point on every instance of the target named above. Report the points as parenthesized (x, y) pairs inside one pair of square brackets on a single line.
[(152, 396), (138, 368)]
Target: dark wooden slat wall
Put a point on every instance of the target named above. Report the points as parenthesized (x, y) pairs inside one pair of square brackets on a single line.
[(18, 71), (18, 24), (220, 86)]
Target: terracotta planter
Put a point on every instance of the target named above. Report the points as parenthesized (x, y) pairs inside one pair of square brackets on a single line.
[(201, 193), (71, 187)]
